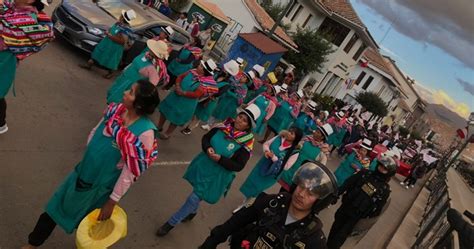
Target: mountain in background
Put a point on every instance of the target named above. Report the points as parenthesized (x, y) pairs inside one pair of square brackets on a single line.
[(446, 115)]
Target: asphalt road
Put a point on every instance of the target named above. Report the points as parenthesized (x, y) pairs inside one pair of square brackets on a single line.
[(56, 105)]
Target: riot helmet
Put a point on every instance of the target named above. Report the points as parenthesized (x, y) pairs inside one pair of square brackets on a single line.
[(315, 177)]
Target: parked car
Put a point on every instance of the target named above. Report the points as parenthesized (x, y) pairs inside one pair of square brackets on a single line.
[(83, 23)]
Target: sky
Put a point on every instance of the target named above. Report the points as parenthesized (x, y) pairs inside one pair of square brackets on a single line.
[(432, 41)]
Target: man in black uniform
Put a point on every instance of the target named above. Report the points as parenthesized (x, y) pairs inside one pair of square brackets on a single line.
[(365, 196), (284, 220)]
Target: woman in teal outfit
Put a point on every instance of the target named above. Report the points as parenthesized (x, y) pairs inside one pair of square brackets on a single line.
[(109, 166), (306, 121), (354, 162), (181, 64), (314, 148), (285, 114), (233, 98), (206, 107), (179, 106), (149, 65), (25, 30), (280, 148), (267, 103), (225, 151), (108, 53)]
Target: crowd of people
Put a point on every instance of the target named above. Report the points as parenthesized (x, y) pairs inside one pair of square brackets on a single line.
[(235, 107)]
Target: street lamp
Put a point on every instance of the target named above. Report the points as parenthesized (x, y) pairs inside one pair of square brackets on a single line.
[(469, 137)]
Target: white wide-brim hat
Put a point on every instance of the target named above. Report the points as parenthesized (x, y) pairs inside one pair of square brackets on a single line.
[(209, 65), (259, 69), (158, 48), (232, 67), (327, 130), (284, 88), (129, 15), (366, 144), (340, 114), (253, 112), (168, 30), (312, 105)]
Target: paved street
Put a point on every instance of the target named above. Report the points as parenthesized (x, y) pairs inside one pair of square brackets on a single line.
[(56, 105)]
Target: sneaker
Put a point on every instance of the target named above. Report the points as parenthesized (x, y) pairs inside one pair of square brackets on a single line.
[(3, 129), (412, 186), (186, 131), (164, 230), (206, 127), (406, 186), (190, 217), (402, 183)]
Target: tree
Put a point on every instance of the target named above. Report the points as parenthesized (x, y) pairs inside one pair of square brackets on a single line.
[(275, 10), (313, 49), (372, 103), (178, 5)]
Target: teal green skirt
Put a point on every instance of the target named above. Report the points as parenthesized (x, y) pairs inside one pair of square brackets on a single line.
[(205, 109), (108, 54), (178, 109), (7, 71)]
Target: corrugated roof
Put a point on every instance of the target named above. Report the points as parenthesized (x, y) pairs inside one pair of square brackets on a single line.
[(376, 59), (263, 43), (264, 19), (342, 8), (213, 9)]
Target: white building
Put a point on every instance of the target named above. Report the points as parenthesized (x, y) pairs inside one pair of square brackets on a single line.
[(348, 35)]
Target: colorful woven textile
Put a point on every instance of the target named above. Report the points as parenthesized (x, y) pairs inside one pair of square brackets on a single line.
[(243, 138), (160, 68), (24, 31), (133, 152), (197, 52), (207, 83)]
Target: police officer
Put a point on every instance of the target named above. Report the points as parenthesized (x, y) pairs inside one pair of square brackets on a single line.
[(285, 220), (365, 195)]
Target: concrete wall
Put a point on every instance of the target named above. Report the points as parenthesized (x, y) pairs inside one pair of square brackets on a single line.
[(314, 22), (238, 11), (412, 98)]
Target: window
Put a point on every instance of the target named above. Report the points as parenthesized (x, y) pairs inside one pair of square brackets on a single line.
[(360, 78), (291, 9), (359, 52), (297, 12), (333, 31), (381, 91), (367, 83), (351, 43), (307, 20)]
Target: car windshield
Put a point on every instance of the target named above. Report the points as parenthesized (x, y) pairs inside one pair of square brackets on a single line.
[(115, 7), (176, 37)]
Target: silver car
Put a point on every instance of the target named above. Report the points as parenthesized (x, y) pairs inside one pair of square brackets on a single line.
[(83, 23)]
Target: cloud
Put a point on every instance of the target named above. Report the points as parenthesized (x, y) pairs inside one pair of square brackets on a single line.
[(468, 87), (391, 53), (442, 98), (446, 25)]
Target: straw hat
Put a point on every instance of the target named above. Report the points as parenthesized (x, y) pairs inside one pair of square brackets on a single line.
[(232, 67), (158, 48), (92, 233), (340, 114), (284, 88), (129, 15), (350, 121), (251, 74), (239, 61), (300, 93)]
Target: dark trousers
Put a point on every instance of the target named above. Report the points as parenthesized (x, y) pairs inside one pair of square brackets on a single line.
[(3, 111), (171, 83), (43, 229), (410, 180), (341, 228)]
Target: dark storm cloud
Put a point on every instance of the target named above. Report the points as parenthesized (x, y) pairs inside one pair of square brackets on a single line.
[(448, 25), (468, 87)]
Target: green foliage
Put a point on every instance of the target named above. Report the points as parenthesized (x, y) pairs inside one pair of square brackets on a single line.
[(178, 5), (326, 102), (313, 51), (403, 131), (415, 135), (372, 103)]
